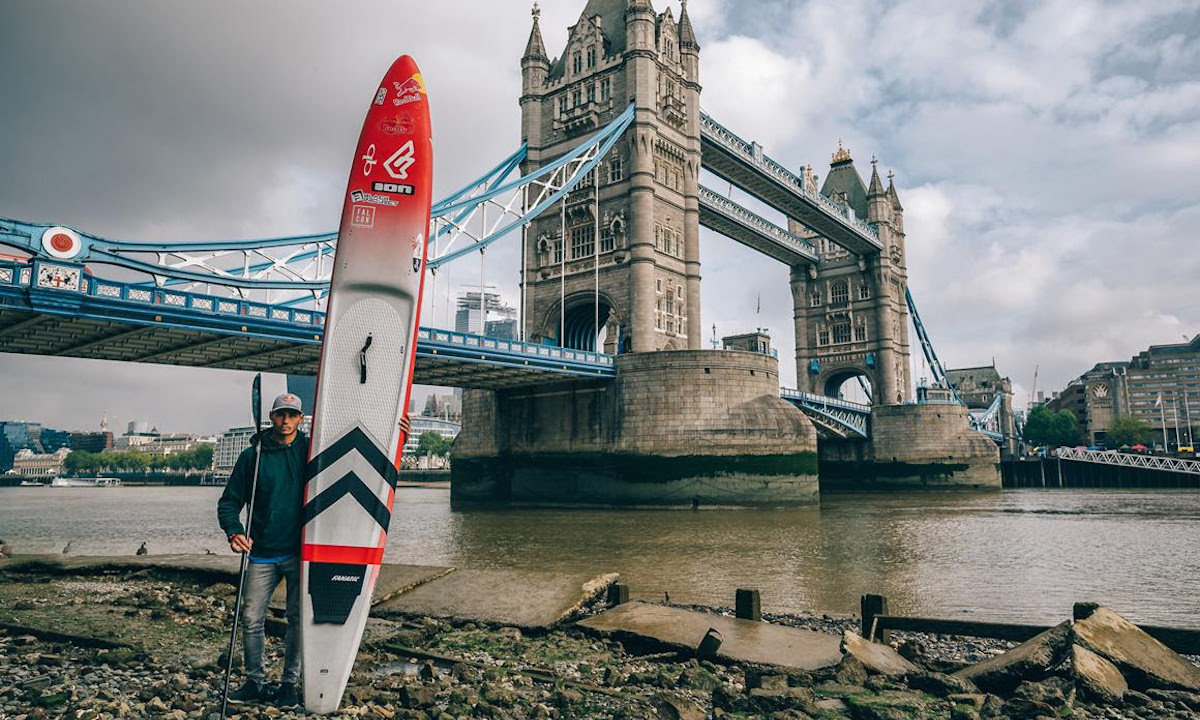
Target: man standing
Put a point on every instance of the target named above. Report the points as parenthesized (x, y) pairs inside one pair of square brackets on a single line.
[(273, 543)]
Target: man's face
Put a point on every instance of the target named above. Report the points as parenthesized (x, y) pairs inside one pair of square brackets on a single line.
[(286, 422)]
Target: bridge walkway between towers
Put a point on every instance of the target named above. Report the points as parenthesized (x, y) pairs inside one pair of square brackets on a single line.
[(744, 164)]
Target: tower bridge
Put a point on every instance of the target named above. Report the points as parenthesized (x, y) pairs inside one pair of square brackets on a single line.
[(608, 396)]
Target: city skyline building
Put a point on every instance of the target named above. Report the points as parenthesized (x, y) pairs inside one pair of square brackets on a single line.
[(468, 317), (1159, 386)]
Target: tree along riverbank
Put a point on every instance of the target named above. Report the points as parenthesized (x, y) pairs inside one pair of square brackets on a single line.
[(148, 644)]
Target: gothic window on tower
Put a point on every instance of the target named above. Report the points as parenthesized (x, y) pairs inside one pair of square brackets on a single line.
[(822, 335), (658, 285), (591, 92), (670, 302), (606, 239), (591, 57), (864, 291), (562, 104), (615, 171), (558, 248), (582, 242), (577, 97), (658, 231), (839, 294), (577, 62), (605, 89), (814, 298), (841, 333), (860, 331)]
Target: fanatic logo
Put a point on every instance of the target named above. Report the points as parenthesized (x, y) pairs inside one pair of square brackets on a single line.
[(344, 578), (398, 164)]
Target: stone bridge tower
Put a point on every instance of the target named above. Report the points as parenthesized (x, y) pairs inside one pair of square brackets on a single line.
[(850, 311), (642, 200)]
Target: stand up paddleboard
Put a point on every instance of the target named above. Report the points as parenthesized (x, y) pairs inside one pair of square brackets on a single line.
[(364, 379)]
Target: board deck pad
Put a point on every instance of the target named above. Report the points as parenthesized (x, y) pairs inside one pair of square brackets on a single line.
[(364, 379)]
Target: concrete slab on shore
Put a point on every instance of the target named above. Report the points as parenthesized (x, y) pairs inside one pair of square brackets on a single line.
[(523, 598), (744, 640)]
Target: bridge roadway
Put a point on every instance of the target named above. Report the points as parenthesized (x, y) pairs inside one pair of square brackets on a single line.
[(744, 164), (58, 308)]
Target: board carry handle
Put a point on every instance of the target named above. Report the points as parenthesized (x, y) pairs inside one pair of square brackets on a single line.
[(362, 362)]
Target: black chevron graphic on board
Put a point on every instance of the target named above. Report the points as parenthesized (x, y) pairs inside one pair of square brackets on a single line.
[(351, 485), (358, 440)]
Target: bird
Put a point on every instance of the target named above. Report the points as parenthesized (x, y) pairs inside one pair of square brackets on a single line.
[(67, 548), (142, 550), (5, 549), (208, 552), (666, 598)]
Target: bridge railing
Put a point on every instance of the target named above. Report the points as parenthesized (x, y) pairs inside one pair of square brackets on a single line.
[(752, 154), (790, 394), (72, 278), (1120, 459), (516, 348), (759, 224)]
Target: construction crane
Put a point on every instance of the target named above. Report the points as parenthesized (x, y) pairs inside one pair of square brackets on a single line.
[(1033, 389)]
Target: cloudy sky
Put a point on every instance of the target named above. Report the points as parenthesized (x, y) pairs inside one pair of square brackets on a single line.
[(1047, 155)]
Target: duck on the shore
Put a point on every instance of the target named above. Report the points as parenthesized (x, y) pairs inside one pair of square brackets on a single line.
[(67, 548), (142, 550), (5, 549)]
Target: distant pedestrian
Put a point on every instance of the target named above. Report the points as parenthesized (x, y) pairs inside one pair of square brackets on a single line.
[(142, 550)]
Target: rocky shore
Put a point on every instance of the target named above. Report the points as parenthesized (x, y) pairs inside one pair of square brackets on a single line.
[(149, 644)]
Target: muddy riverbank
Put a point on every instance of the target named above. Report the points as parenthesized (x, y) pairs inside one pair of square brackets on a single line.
[(148, 643)]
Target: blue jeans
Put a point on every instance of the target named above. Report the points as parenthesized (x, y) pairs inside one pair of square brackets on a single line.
[(261, 580)]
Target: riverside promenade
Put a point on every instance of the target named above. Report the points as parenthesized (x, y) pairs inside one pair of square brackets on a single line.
[(143, 637)]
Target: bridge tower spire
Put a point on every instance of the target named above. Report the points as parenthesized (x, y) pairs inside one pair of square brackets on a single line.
[(627, 251), (850, 314)]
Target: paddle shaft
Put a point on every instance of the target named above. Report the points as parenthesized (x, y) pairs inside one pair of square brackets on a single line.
[(237, 607)]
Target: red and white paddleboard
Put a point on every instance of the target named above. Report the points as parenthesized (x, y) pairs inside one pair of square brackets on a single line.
[(365, 379)]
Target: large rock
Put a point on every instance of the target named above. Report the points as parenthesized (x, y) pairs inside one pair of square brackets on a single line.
[(878, 659), (1097, 679), (1031, 660), (1144, 661)]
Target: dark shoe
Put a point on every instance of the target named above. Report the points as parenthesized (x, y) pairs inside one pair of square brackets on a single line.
[(250, 692), (287, 696)]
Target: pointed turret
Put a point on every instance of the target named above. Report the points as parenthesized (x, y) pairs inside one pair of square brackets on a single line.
[(687, 36), (879, 207), (535, 49), (897, 208), (891, 191), (535, 66), (876, 187), (843, 182)]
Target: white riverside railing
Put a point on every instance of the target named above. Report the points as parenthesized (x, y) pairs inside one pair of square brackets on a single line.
[(1120, 459)]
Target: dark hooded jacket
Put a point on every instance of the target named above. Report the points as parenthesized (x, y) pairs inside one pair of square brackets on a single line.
[(275, 526)]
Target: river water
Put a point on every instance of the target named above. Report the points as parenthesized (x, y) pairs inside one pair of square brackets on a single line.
[(1021, 555)]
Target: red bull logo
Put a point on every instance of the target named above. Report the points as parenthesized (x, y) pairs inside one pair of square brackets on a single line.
[(409, 91)]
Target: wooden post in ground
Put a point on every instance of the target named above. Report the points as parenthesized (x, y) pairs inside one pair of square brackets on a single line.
[(873, 605), (748, 606)]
